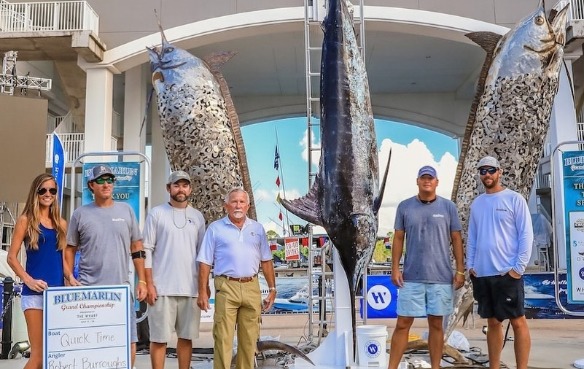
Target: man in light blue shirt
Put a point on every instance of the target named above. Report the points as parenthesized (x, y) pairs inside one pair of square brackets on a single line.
[(500, 238), (236, 246)]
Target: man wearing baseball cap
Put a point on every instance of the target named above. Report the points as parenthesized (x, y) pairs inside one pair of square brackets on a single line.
[(431, 224), (106, 234), (500, 238), (172, 237)]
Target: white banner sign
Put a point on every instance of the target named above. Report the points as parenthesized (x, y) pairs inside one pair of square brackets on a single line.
[(576, 257), (87, 327)]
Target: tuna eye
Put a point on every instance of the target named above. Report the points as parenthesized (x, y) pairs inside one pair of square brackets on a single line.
[(539, 20)]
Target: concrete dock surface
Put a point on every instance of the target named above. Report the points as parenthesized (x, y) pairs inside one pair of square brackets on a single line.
[(556, 343)]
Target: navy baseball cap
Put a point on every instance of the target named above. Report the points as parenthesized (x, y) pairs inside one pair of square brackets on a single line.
[(427, 170), (101, 170)]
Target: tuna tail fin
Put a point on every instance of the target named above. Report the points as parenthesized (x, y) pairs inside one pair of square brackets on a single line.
[(307, 207), (377, 201)]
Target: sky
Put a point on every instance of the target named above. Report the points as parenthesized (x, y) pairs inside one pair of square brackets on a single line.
[(412, 147)]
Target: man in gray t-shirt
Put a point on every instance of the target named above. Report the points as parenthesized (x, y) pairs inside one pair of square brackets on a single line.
[(430, 224), (106, 233)]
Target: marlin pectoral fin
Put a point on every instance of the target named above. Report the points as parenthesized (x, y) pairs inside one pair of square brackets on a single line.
[(487, 40), (277, 345), (379, 199), (307, 207)]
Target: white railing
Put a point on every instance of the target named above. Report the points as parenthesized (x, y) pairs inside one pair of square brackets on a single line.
[(48, 16), (542, 180), (580, 132), (73, 146), (577, 9)]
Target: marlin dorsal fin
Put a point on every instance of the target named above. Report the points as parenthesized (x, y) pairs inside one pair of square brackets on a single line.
[(379, 199), (307, 207)]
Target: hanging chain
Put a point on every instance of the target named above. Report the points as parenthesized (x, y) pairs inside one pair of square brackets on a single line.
[(8, 305)]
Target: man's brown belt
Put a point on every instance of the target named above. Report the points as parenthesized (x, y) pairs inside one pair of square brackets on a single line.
[(238, 279)]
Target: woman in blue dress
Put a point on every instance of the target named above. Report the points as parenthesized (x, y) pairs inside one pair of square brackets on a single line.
[(43, 232)]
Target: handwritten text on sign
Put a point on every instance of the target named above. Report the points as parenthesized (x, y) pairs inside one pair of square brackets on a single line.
[(87, 327)]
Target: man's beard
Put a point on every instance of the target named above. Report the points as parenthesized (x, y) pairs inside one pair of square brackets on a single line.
[(177, 199), (493, 184)]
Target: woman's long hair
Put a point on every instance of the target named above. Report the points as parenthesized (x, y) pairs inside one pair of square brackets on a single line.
[(33, 215)]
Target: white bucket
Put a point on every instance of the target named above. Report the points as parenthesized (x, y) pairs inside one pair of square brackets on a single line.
[(371, 346)]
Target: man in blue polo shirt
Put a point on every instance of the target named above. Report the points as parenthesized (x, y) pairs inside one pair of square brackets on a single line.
[(235, 246), (430, 223)]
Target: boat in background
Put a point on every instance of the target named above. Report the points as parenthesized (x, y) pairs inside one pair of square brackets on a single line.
[(300, 301), (293, 294)]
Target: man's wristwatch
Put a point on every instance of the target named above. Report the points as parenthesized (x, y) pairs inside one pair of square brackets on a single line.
[(273, 289)]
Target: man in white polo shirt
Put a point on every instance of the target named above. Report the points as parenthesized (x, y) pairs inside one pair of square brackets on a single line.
[(236, 246)]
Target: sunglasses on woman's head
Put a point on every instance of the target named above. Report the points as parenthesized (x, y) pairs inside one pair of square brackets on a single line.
[(484, 171), (102, 180), (42, 191)]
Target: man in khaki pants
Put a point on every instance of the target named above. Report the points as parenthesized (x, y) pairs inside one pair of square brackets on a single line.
[(236, 246)]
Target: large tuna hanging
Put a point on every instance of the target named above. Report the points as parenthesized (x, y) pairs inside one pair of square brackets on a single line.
[(199, 126), (510, 115)]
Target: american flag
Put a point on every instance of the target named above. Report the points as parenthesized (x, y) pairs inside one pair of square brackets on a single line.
[(276, 159)]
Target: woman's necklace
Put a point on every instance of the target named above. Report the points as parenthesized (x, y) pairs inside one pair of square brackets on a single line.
[(46, 222), (184, 212)]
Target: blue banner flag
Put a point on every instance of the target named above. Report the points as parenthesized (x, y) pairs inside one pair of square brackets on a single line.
[(58, 169), (276, 159)]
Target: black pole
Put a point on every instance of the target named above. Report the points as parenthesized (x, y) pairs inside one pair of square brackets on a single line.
[(322, 300), (7, 319)]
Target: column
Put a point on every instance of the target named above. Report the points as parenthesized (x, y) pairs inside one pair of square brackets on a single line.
[(160, 163), (135, 101), (135, 96), (98, 110)]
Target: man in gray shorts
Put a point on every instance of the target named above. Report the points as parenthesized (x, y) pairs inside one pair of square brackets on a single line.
[(173, 235), (106, 233)]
